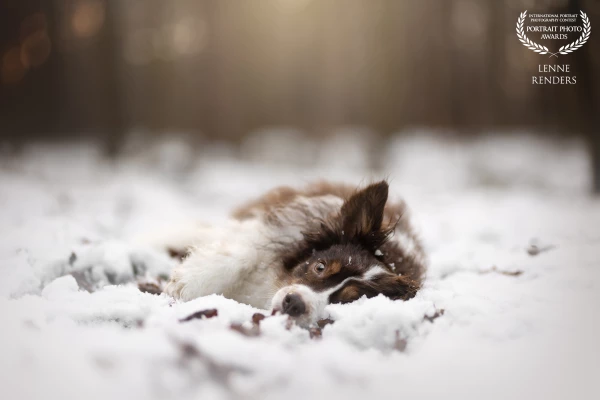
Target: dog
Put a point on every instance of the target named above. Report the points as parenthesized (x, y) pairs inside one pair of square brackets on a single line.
[(295, 251)]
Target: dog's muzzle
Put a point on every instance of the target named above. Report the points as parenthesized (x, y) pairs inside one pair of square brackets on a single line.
[(301, 303)]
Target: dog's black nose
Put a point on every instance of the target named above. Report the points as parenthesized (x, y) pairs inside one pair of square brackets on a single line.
[(293, 305)]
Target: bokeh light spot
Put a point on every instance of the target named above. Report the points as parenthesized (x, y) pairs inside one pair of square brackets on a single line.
[(189, 36), (35, 49), (88, 18), (13, 69)]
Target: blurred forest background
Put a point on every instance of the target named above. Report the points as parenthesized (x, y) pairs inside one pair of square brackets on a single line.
[(218, 70)]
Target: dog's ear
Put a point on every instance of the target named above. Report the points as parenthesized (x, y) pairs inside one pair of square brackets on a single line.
[(362, 214), (358, 222)]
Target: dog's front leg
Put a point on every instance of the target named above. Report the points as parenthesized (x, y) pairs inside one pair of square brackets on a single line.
[(234, 260)]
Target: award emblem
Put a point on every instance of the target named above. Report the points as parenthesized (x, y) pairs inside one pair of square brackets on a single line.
[(554, 32)]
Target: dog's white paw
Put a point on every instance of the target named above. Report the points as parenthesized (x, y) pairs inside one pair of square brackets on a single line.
[(176, 286)]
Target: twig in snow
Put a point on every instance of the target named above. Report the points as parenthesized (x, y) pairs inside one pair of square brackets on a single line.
[(496, 270), (436, 315), (149, 287), (204, 314), (533, 249)]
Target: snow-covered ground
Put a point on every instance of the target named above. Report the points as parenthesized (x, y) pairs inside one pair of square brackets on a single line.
[(514, 325)]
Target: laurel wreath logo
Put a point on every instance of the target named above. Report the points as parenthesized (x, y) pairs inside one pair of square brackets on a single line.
[(569, 48)]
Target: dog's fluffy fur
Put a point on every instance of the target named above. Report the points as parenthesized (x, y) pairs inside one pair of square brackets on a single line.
[(327, 243)]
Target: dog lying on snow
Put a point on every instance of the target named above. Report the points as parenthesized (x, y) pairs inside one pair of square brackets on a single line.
[(295, 251)]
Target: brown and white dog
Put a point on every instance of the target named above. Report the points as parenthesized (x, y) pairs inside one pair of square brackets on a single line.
[(295, 251)]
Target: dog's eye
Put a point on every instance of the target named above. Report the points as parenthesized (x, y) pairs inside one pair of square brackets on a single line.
[(319, 267)]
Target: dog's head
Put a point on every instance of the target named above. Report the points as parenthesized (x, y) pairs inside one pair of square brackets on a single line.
[(342, 261)]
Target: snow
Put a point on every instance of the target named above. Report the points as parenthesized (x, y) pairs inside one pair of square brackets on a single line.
[(492, 321)]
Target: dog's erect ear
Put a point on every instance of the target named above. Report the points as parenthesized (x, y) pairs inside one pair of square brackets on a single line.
[(358, 222), (362, 213)]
